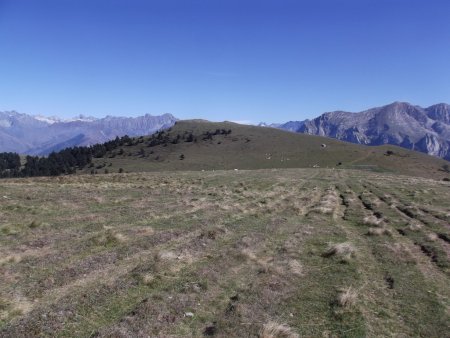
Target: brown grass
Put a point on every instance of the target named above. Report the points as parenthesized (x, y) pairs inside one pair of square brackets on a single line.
[(275, 330), (432, 236), (379, 232), (347, 297), (295, 267), (165, 256), (344, 250), (372, 220), (328, 204), (148, 278), (78, 276), (14, 258), (415, 226)]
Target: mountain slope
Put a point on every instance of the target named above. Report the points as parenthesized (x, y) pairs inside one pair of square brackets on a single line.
[(202, 145), (36, 135), (412, 127)]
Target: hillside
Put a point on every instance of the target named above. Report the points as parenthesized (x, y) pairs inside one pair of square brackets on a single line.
[(225, 145), (400, 123), (260, 253)]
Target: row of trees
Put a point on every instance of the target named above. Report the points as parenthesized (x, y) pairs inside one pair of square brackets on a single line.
[(66, 161), (164, 138)]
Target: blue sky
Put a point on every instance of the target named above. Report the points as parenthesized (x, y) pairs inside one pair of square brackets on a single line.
[(261, 60)]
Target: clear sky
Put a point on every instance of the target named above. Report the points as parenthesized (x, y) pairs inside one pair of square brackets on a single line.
[(256, 60)]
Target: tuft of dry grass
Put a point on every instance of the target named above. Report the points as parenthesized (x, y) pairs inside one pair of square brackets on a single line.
[(264, 263), (347, 297), (148, 279), (165, 256), (328, 204), (275, 330), (18, 306), (432, 236), (146, 231), (120, 238), (344, 250), (248, 254), (415, 226), (295, 267), (324, 209), (14, 258), (379, 232), (372, 220)]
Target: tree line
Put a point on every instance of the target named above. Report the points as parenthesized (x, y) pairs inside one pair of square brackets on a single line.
[(66, 161)]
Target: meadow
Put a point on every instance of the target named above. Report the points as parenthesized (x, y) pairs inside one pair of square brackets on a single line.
[(226, 253)]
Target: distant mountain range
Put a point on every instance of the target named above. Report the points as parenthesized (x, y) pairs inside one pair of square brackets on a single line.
[(403, 124), (39, 135)]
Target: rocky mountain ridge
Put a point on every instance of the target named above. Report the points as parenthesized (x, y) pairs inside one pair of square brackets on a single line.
[(40, 135), (400, 123)]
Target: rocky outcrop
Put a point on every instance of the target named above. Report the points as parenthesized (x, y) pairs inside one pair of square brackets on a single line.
[(413, 127)]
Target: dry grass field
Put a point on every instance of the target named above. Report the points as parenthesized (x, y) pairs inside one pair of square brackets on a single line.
[(262, 253)]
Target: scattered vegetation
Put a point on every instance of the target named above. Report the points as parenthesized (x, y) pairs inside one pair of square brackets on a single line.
[(224, 253)]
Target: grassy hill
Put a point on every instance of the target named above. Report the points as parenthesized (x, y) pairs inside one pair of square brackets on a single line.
[(260, 253), (202, 145)]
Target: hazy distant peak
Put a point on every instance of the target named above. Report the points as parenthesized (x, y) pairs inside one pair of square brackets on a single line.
[(49, 120), (39, 134), (83, 118), (270, 125)]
